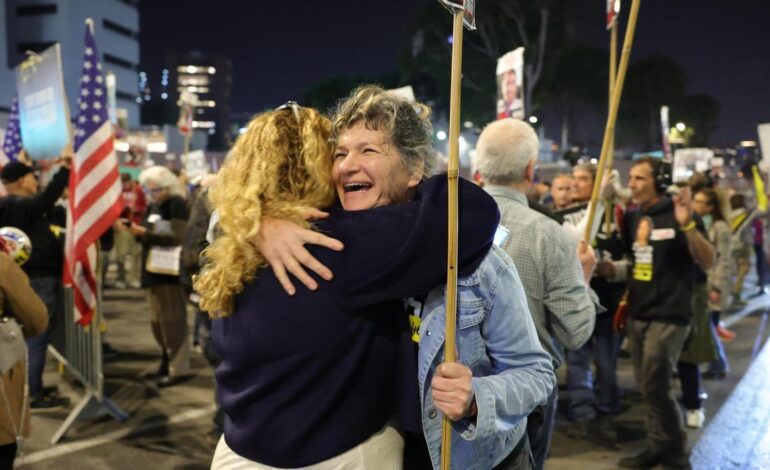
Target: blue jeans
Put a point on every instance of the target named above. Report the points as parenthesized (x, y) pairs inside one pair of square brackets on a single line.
[(603, 347), (49, 291)]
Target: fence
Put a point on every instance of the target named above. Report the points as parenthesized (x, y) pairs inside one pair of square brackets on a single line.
[(83, 358)]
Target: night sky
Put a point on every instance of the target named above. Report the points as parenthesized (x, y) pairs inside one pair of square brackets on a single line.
[(279, 48)]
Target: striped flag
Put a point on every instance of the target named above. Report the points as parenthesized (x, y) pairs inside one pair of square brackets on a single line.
[(12, 138), (95, 193)]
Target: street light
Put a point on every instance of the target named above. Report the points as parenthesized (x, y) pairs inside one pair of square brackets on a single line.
[(680, 126), (441, 135), (533, 119)]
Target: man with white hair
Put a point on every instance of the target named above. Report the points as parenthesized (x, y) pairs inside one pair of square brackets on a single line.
[(548, 261)]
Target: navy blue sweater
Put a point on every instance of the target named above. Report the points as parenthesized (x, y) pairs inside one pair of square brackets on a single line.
[(308, 377)]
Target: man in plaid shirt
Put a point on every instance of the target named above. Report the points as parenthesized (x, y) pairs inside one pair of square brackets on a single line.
[(554, 271)]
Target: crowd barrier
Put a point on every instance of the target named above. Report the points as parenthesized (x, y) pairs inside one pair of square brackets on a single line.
[(82, 357)]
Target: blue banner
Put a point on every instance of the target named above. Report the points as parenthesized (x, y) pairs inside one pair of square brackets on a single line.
[(43, 110)]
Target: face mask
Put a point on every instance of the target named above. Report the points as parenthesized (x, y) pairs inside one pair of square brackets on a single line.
[(707, 220)]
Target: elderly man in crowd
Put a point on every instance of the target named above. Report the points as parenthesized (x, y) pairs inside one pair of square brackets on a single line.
[(554, 271)]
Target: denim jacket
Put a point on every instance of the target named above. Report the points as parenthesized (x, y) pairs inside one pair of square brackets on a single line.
[(497, 340)]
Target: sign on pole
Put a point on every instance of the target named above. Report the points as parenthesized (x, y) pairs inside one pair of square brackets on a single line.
[(510, 90), (665, 128), (43, 110), (613, 9), (764, 142), (469, 11), (690, 160)]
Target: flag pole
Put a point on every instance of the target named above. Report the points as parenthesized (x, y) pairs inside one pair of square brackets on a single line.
[(611, 156), (612, 117), (453, 171)]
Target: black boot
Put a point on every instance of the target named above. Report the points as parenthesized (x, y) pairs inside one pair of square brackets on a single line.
[(648, 458)]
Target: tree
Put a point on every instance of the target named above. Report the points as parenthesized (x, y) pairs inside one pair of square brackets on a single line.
[(701, 114), (579, 81), (652, 82), (325, 94), (503, 25)]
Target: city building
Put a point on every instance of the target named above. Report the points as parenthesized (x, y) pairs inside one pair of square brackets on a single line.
[(35, 25), (209, 77)]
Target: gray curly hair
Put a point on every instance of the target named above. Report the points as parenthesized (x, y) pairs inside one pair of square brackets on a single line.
[(406, 124)]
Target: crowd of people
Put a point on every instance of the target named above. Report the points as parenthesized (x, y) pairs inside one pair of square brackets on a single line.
[(314, 263)]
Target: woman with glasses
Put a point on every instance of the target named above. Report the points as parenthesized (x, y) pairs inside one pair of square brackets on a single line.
[(161, 233), (710, 297)]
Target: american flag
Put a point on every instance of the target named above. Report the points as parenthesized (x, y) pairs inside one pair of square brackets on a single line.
[(12, 139), (95, 193)]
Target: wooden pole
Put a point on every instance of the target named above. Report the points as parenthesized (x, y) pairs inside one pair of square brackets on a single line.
[(453, 172), (612, 117), (611, 157)]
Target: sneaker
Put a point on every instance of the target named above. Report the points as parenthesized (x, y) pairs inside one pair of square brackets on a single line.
[(695, 418), (724, 334), (648, 458), (50, 391), (48, 403)]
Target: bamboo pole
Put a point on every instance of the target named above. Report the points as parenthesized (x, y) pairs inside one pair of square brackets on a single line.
[(612, 117), (611, 157), (453, 171)]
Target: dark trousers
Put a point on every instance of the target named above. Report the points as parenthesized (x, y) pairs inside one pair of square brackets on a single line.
[(49, 291), (587, 396), (655, 347), (520, 457), (689, 376), (721, 364), (7, 455), (539, 429), (761, 265)]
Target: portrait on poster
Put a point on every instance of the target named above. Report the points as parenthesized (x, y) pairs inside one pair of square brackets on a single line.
[(510, 92)]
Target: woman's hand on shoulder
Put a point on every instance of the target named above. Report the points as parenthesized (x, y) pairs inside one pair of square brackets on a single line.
[(282, 243)]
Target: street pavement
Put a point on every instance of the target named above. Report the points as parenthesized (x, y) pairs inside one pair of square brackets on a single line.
[(171, 428)]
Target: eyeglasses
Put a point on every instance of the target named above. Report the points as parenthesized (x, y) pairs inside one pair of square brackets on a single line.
[(294, 109)]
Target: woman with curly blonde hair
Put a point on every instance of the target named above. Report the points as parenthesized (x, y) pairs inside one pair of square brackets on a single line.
[(317, 377), (275, 170)]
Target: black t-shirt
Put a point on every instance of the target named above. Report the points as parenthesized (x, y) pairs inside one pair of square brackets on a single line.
[(663, 274)]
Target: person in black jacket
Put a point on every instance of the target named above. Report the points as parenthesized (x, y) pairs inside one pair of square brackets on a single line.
[(28, 209), (161, 234)]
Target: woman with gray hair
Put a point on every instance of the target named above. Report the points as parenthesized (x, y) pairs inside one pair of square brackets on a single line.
[(161, 233)]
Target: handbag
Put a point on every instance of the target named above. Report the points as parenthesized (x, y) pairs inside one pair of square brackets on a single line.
[(163, 260), (12, 345)]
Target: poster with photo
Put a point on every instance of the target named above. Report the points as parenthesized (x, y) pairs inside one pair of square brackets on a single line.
[(43, 108), (613, 8), (510, 90), (689, 160)]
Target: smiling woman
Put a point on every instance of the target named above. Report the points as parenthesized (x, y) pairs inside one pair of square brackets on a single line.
[(384, 148)]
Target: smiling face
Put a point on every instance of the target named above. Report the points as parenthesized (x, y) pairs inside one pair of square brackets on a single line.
[(369, 171), (582, 185)]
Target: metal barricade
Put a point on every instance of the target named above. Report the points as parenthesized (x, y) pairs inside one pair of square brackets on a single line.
[(83, 358)]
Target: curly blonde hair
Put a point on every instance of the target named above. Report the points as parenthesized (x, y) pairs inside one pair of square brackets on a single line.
[(277, 168)]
